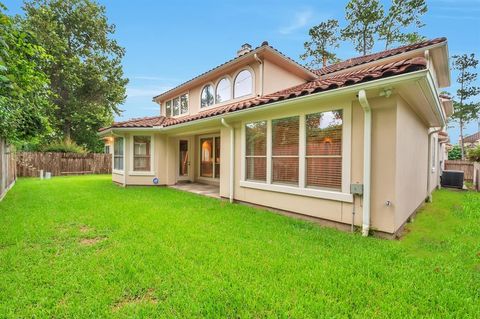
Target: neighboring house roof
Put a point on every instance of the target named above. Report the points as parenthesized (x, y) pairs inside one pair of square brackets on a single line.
[(330, 82), (472, 138), (376, 56)]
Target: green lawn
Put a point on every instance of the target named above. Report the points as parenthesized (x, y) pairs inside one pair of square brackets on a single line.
[(83, 247)]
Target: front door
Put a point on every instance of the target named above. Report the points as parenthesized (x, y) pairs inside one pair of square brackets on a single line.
[(183, 160)]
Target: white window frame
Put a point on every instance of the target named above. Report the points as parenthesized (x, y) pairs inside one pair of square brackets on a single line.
[(119, 171), (151, 172), (434, 153), (200, 97), (252, 73), (341, 195), (180, 114), (229, 78)]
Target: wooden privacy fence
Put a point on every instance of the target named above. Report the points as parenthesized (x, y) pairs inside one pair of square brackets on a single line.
[(29, 164), (8, 173), (459, 165)]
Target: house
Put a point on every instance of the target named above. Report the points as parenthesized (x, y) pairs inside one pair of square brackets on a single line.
[(471, 140), (355, 141)]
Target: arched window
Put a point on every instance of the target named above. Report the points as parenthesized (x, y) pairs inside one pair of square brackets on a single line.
[(207, 97), (243, 84), (223, 92)]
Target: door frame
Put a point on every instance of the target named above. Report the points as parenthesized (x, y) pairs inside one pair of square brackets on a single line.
[(189, 176), (199, 151)]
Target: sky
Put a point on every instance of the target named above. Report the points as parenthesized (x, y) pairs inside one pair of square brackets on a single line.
[(169, 42)]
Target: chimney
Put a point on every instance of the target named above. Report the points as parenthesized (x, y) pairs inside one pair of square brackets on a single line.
[(245, 48)]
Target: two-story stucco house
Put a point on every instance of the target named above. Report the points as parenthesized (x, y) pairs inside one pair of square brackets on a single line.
[(357, 136)]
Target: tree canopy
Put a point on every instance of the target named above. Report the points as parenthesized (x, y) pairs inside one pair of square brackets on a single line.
[(324, 38), (85, 71), (24, 93)]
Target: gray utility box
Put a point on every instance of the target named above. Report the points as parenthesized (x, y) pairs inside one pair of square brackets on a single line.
[(356, 189), (452, 179)]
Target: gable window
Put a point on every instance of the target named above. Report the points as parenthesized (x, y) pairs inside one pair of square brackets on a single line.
[(207, 96), (285, 143), (118, 153), (243, 84), (141, 153), (324, 149), (223, 91), (256, 151), (168, 108)]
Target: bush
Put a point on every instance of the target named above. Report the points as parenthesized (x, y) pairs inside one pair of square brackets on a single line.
[(473, 154), (455, 153), (67, 146)]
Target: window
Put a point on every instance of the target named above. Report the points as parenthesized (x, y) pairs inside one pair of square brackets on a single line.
[(243, 84), (434, 152), (206, 98), (324, 149), (256, 151), (141, 153), (176, 106), (224, 91), (118, 153), (306, 154), (184, 103), (285, 143), (106, 149), (168, 108)]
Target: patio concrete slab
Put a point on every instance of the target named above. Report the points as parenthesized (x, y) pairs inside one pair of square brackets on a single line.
[(198, 188)]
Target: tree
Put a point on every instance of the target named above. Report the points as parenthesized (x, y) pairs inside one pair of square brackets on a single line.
[(324, 38), (401, 15), (85, 73), (24, 93), (464, 109), (455, 153), (364, 18)]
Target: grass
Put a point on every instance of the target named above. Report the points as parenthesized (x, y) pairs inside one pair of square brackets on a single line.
[(81, 247)]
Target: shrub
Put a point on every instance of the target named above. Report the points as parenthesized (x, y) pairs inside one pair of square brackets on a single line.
[(67, 146), (455, 153), (473, 154)]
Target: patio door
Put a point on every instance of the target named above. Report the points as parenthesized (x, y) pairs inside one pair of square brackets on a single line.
[(209, 157), (184, 160)]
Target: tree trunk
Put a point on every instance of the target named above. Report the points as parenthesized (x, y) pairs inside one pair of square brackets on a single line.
[(461, 139), (324, 60)]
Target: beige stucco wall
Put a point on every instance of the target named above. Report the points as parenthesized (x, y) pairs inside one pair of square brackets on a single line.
[(277, 78)]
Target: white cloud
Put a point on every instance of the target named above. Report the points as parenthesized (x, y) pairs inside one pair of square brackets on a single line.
[(300, 20)]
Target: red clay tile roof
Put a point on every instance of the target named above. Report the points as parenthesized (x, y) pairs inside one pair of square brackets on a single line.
[(319, 85), (472, 138), (376, 56), (138, 123)]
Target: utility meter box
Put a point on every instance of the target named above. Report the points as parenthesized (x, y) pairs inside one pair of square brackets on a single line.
[(356, 189)]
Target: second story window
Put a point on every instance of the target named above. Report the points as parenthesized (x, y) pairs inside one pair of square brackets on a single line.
[(243, 84), (177, 106), (207, 96), (224, 91)]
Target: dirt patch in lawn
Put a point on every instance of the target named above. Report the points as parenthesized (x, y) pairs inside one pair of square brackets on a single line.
[(91, 241), (85, 229), (147, 298)]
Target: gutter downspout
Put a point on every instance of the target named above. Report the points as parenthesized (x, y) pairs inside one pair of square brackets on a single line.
[(367, 158), (261, 72), (232, 158), (429, 165)]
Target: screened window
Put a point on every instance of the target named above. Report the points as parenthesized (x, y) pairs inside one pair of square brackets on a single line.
[(168, 108), (118, 153), (141, 153), (184, 103), (256, 151), (243, 84), (324, 149), (176, 106), (207, 96), (224, 91), (285, 143)]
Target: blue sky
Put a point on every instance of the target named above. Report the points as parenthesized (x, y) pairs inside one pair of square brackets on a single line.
[(168, 42)]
